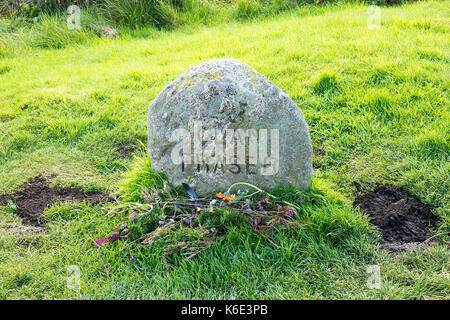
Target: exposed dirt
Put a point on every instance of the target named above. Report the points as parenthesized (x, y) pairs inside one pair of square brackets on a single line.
[(319, 152), (27, 229), (36, 195), (125, 150), (4, 198), (402, 219)]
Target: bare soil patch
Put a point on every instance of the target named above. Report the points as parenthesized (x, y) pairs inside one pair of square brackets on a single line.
[(404, 221), (36, 195), (319, 152), (125, 150)]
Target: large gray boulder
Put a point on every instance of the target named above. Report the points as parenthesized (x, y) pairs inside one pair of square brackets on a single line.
[(222, 122)]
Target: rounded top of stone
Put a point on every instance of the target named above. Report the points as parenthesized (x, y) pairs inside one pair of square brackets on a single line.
[(229, 98)]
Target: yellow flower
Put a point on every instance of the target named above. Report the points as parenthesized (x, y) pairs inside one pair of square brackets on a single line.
[(198, 209), (211, 210)]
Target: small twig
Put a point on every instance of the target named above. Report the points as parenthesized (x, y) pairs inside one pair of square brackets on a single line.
[(261, 190), (268, 238), (436, 235)]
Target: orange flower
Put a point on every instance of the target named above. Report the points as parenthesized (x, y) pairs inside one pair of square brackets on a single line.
[(229, 198)]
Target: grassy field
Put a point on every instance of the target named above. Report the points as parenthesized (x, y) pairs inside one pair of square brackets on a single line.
[(376, 102)]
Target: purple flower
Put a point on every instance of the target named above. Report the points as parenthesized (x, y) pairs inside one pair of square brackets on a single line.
[(188, 221), (161, 222), (146, 195), (222, 203), (132, 259), (124, 225), (166, 186), (291, 212), (250, 210), (260, 207), (247, 202), (148, 198)]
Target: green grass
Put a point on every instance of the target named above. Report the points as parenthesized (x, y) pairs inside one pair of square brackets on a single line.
[(161, 14), (376, 102)]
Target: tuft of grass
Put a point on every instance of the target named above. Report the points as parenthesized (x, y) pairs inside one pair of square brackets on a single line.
[(326, 83), (4, 69), (140, 174), (434, 145), (250, 9), (381, 104), (140, 13), (246, 9), (52, 33)]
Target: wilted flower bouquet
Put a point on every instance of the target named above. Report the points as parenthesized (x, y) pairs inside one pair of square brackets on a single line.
[(189, 225)]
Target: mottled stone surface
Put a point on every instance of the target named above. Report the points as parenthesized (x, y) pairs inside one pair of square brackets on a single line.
[(220, 95)]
